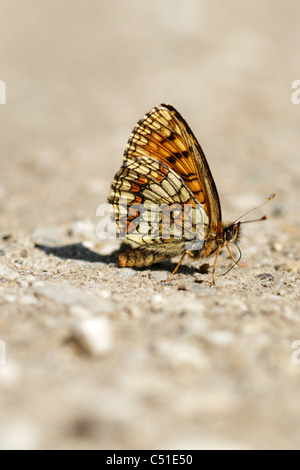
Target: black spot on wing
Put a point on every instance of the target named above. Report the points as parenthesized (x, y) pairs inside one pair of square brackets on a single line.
[(171, 159)]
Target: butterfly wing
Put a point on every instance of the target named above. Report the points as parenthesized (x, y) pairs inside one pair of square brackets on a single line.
[(164, 135), (153, 206)]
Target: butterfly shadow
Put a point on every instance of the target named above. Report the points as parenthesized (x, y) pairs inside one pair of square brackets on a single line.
[(169, 266), (78, 251)]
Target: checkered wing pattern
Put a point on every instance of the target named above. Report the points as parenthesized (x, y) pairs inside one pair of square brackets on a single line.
[(153, 206)]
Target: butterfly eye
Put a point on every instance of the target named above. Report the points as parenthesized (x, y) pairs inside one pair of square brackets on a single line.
[(232, 232), (229, 233)]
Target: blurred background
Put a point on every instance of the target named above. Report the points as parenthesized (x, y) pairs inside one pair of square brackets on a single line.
[(79, 74)]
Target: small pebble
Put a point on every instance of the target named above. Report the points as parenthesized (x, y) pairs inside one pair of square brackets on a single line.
[(204, 268), (289, 313), (292, 266), (124, 272), (88, 244), (78, 311), (10, 298), (181, 354), (28, 300), (220, 337), (7, 237), (21, 433), (94, 336), (9, 275), (83, 229), (3, 272), (277, 247), (265, 277), (105, 294), (71, 295), (159, 276), (202, 290), (157, 299), (107, 247), (10, 372)]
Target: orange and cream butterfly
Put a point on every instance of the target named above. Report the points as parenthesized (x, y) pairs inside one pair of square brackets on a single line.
[(164, 197)]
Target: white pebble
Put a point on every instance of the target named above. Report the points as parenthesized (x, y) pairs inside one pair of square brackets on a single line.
[(10, 298), (71, 295), (88, 244), (3, 272), (181, 354), (126, 272), (220, 337), (95, 336), (277, 247), (9, 275), (157, 299), (10, 374), (28, 300), (202, 290), (84, 229), (105, 294), (19, 434), (78, 311), (159, 276), (106, 247)]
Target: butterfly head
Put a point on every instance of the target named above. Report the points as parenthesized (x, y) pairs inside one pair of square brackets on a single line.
[(232, 232)]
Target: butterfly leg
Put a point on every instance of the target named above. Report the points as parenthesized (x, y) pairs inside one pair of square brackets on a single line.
[(241, 265), (179, 263), (215, 263)]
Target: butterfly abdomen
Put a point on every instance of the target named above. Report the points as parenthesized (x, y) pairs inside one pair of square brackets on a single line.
[(138, 257), (145, 256)]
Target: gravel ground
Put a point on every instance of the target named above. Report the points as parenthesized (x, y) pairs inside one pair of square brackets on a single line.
[(103, 357)]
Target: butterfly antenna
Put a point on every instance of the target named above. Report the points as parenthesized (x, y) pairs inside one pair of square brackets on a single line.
[(254, 209), (236, 262), (264, 217)]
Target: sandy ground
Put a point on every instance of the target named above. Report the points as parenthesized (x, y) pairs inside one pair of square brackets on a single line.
[(100, 357)]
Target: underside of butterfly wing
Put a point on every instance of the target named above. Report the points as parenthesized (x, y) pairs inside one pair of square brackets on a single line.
[(164, 170), (154, 208)]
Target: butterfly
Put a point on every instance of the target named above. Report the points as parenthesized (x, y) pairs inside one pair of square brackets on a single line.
[(165, 171)]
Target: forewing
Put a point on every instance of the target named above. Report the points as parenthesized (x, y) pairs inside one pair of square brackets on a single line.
[(164, 135)]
